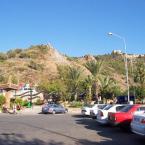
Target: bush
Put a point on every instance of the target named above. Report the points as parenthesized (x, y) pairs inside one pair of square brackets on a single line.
[(3, 56), (13, 52), (19, 101), (24, 55), (76, 104), (35, 66), (2, 100), (39, 102), (25, 103)]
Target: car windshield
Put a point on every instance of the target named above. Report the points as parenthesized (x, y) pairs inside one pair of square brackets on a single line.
[(126, 109), (107, 107)]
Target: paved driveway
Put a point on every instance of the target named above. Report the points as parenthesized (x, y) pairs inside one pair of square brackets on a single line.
[(60, 129)]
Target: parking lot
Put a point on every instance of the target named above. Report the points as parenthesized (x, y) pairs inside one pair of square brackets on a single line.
[(61, 129)]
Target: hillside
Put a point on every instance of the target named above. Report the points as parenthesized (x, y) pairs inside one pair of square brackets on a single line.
[(40, 62)]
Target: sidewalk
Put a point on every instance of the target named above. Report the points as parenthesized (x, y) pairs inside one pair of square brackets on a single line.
[(37, 110), (31, 111)]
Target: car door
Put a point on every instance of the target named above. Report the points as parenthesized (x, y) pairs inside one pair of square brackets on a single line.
[(56, 108), (62, 109)]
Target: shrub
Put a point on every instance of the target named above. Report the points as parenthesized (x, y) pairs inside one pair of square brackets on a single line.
[(25, 103), (2, 100), (35, 66), (76, 104), (3, 57), (39, 102), (13, 52), (24, 55), (18, 101)]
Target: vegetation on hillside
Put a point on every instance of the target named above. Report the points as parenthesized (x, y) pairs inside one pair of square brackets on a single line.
[(76, 78)]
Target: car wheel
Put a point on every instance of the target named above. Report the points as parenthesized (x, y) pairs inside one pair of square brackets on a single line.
[(66, 110), (53, 112), (94, 117)]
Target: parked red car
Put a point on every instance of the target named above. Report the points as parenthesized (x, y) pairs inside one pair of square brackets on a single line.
[(124, 117)]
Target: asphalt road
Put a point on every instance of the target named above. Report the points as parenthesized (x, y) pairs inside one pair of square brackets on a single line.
[(61, 129)]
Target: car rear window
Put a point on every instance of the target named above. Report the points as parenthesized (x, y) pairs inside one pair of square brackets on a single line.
[(102, 106), (127, 108), (108, 107), (118, 108), (142, 108)]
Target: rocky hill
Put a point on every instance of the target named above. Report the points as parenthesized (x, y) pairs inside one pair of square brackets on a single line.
[(41, 62)]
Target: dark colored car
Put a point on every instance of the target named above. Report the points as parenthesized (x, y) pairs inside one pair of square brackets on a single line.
[(53, 109), (124, 99)]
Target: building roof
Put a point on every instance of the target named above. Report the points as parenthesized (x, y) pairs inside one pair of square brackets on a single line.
[(8, 87)]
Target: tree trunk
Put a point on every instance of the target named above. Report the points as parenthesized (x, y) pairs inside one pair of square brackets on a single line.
[(90, 92), (76, 96), (8, 95), (96, 90)]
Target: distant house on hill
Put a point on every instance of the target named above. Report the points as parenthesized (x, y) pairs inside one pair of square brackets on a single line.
[(117, 52)]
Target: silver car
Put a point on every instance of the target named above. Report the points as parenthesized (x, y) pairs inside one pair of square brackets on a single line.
[(138, 123), (53, 109)]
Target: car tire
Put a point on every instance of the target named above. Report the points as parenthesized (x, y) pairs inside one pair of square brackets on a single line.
[(66, 110), (53, 112), (94, 117)]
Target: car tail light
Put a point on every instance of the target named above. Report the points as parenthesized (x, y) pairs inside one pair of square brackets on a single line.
[(143, 121)]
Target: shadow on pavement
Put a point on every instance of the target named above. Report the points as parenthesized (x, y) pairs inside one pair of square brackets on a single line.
[(106, 135), (19, 139), (110, 135)]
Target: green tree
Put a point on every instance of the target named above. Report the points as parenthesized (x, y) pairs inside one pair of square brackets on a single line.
[(72, 78), (139, 77), (95, 68), (106, 87), (87, 83), (56, 87), (2, 100)]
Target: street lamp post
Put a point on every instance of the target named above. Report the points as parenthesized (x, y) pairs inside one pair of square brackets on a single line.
[(125, 60)]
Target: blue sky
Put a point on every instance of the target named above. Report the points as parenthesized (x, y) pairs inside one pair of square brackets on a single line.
[(74, 27)]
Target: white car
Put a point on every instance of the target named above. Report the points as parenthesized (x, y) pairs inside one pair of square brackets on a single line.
[(102, 116), (138, 123), (94, 111), (86, 109)]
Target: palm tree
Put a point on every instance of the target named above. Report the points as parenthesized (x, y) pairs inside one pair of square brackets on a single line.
[(88, 87), (107, 85), (95, 68), (73, 78)]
